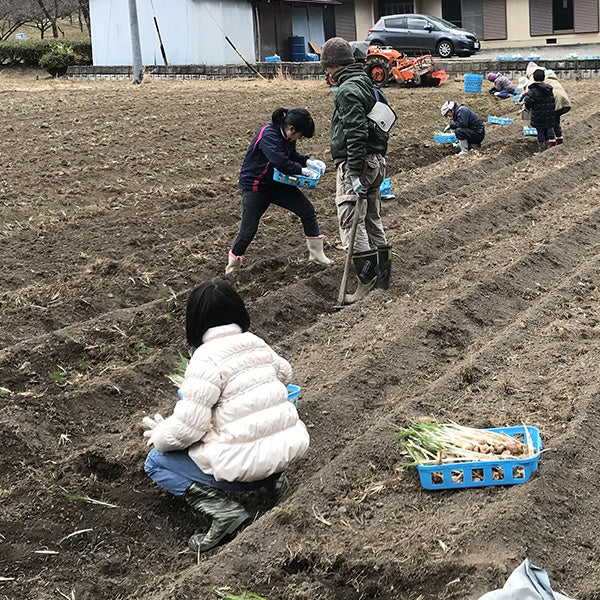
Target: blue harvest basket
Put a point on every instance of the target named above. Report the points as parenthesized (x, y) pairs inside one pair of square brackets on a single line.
[(444, 138), (500, 120), (307, 183), (488, 472), (529, 131), (293, 393)]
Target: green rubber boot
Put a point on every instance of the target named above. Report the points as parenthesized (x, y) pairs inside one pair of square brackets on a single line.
[(227, 515)]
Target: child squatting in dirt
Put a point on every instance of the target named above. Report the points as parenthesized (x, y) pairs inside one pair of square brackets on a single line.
[(274, 147), (232, 429)]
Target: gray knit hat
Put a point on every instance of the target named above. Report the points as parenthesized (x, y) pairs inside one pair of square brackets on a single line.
[(336, 52)]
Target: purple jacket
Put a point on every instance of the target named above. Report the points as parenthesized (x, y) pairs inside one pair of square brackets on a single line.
[(502, 82), (270, 149)]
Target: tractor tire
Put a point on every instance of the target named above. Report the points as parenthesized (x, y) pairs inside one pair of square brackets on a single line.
[(445, 48), (379, 71)]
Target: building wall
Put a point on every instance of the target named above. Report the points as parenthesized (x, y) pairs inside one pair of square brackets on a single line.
[(518, 31), (366, 16), (517, 26), (189, 33)]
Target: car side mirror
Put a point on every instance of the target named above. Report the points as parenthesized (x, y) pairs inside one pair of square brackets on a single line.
[(428, 27)]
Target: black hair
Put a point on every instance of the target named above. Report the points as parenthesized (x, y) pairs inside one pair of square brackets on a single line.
[(211, 304), (539, 75), (298, 118)]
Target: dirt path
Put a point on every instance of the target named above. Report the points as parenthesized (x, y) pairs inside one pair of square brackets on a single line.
[(115, 201)]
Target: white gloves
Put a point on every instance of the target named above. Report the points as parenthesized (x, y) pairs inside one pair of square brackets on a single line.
[(317, 165), (312, 173), (358, 186), (151, 423)]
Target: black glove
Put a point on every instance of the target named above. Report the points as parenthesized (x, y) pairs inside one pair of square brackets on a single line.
[(492, 90)]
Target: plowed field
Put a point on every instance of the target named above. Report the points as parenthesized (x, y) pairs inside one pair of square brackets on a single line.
[(116, 200)]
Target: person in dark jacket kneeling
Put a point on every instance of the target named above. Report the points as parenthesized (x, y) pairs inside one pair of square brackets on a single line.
[(539, 99), (467, 125)]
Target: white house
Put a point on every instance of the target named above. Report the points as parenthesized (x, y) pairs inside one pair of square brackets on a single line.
[(189, 29), (193, 31)]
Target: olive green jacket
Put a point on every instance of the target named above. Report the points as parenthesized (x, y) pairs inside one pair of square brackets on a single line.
[(353, 135)]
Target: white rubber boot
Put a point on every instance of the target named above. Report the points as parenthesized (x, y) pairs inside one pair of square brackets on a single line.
[(315, 250), (234, 264), (464, 147)]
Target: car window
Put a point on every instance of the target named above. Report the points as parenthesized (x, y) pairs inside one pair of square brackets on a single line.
[(396, 23), (415, 23), (444, 23)]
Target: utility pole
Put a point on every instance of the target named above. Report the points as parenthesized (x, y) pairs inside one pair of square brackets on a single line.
[(136, 49)]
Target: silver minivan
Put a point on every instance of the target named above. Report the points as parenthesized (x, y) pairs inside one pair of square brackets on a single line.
[(423, 34)]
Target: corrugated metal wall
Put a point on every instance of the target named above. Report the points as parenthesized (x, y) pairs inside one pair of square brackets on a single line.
[(494, 19), (585, 16), (540, 17), (345, 20), (472, 16)]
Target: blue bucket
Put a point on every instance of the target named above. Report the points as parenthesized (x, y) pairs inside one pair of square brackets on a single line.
[(297, 48), (293, 394)]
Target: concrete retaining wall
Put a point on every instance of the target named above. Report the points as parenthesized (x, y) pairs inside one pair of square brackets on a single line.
[(564, 69)]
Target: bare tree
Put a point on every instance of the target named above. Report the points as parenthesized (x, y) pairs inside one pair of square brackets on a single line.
[(84, 7), (44, 15), (12, 17)]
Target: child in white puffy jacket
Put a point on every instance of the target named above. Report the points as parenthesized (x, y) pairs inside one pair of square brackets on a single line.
[(232, 428)]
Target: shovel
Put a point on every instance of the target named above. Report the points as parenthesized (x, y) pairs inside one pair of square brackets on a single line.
[(344, 282)]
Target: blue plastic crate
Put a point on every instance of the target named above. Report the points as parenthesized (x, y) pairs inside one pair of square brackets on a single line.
[(473, 82), (293, 394), (500, 120), (508, 472), (307, 183), (529, 131), (444, 138), (386, 187)]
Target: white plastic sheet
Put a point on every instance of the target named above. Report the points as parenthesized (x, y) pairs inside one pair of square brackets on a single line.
[(526, 582)]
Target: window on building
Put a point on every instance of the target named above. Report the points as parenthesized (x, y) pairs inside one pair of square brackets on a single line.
[(451, 11), (562, 15)]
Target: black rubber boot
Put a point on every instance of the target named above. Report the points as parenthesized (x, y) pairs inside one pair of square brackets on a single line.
[(365, 264), (227, 515), (276, 489), (384, 267)]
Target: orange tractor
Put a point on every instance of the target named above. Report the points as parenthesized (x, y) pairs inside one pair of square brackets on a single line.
[(383, 65)]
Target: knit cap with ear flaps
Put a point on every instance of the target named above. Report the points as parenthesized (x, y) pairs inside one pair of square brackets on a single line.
[(336, 52)]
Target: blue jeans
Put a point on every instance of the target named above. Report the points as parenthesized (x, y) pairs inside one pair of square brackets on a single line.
[(254, 205), (175, 471)]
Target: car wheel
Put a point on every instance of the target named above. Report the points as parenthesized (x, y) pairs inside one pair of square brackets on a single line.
[(376, 43), (445, 48), (378, 70)]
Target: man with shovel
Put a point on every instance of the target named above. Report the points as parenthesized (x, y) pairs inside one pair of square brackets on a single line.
[(358, 146)]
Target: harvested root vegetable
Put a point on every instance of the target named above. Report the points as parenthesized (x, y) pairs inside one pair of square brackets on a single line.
[(436, 444)]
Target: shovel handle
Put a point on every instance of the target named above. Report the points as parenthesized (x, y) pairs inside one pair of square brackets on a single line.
[(344, 282)]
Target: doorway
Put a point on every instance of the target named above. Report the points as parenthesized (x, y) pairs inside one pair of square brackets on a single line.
[(562, 15)]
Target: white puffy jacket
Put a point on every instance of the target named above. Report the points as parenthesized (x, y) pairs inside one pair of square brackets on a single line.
[(233, 413)]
